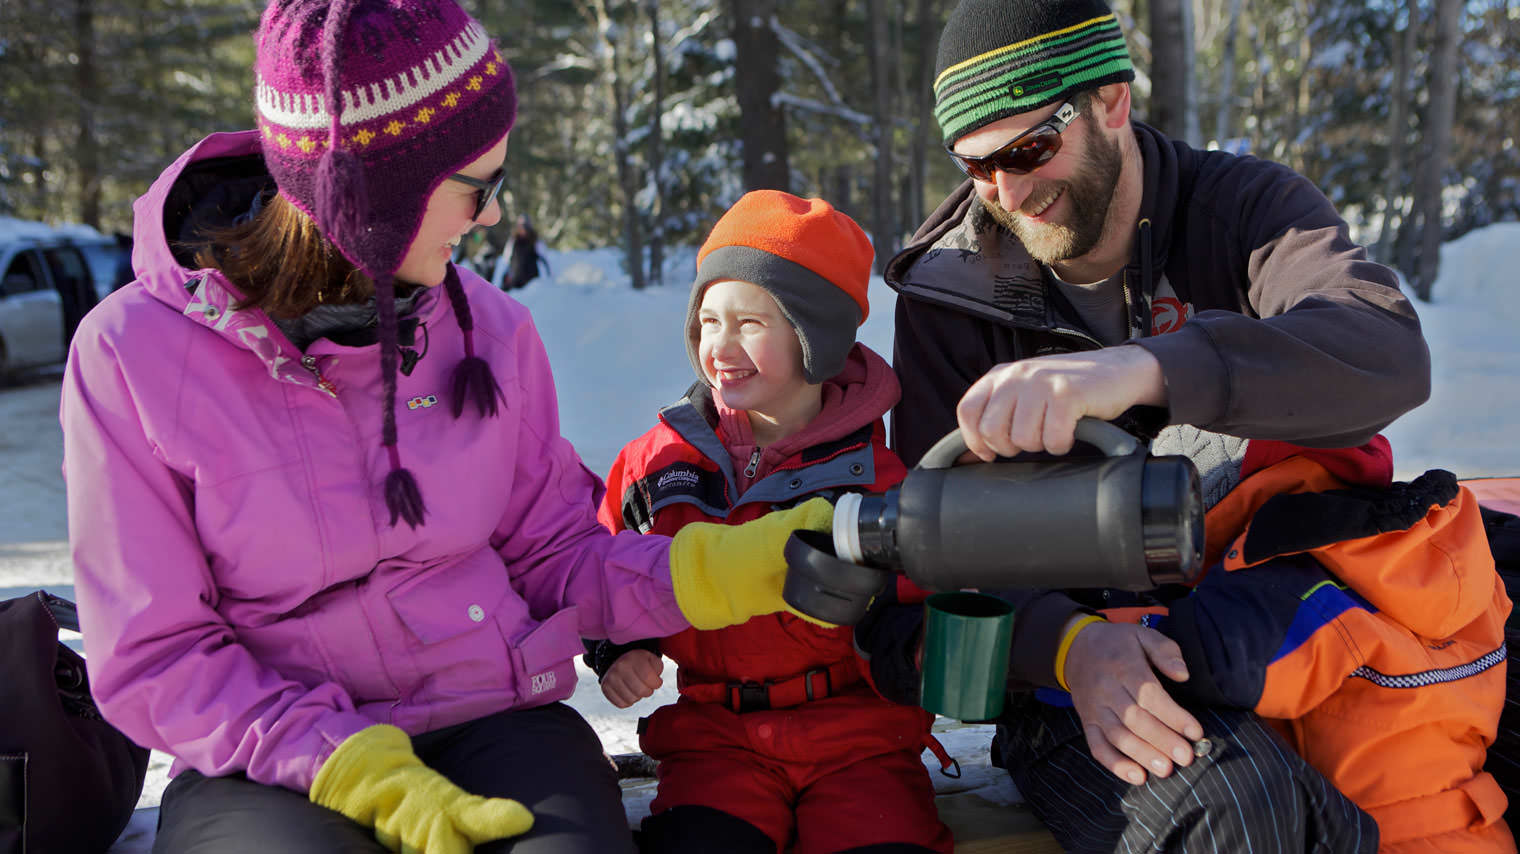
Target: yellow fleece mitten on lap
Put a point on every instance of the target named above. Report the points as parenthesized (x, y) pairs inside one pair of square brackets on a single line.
[(726, 574), (375, 779)]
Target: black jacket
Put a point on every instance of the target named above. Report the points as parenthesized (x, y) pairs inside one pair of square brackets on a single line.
[(1291, 333)]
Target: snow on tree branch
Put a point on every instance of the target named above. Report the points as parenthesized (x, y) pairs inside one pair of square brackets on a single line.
[(562, 62), (837, 110), (798, 46), (694, 28)]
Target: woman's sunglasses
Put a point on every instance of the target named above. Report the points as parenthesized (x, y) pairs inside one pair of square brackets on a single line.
[(485, 191), (1024, 153)]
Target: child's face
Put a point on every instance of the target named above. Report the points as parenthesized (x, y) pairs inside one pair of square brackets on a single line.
[(748, 349)]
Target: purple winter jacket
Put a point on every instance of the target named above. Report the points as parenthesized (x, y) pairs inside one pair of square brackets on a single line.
[(246, 603)]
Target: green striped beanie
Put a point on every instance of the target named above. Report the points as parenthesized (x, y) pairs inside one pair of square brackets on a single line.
[(998, 58)]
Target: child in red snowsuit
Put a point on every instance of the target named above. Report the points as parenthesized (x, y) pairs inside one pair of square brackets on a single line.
[(778, 737)]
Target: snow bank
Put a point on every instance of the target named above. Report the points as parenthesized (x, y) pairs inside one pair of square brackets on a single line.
[(1471, 324)]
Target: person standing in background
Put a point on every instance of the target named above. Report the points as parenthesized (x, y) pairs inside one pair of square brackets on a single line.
[(520, 262)]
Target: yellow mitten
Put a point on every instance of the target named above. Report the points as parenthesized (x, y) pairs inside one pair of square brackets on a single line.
[(726, 574), (375, 779)]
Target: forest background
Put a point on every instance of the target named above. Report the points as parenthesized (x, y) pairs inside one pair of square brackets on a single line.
[(640, 122)]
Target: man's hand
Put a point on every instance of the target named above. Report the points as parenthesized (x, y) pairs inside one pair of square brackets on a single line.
[(1033, 404), (1132, 724), (633, 677)]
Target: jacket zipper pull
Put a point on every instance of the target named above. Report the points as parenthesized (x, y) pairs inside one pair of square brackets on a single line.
[(1129, 307), (325, 384), (754, 463)]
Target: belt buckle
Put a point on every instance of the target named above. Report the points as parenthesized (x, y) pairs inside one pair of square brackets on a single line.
[(749, 696), (828, 683)]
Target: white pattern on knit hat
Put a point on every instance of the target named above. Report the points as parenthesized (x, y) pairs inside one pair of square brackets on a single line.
[(442, 69)]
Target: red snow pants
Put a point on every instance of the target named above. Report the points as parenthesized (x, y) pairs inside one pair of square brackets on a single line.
[(825, 776)]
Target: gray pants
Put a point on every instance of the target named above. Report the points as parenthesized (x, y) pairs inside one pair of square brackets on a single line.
[(1251, 792), (548, 758)]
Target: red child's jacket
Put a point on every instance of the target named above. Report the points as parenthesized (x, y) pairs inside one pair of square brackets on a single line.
[(700, 464)]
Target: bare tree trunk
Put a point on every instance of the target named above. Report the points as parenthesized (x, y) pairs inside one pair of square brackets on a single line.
[(1305, 13), (657, 150), (757, 78), (1441, 112), (30, 117), (928, 34), (87, 146), (39, 169), (1222, 129), (1258, 38), (633, 245), (842, 195), (1192, 127), (1398, 131), (902, 182), (1173, 107), (883, 230), (1406, 240)]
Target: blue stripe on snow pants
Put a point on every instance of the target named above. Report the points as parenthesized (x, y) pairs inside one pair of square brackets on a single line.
[(1250, 793)]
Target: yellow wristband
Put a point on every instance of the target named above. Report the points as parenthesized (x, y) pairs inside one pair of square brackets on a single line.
[(1066, 642)]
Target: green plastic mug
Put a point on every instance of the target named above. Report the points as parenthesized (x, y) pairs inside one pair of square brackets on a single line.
[(965, 664)]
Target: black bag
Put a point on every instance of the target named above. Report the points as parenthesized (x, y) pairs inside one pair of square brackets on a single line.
[(1504, 754), (68, 780)]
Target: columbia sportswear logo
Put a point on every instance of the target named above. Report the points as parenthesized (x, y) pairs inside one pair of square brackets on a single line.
[(684, 477), (422, 402), (543, 682)]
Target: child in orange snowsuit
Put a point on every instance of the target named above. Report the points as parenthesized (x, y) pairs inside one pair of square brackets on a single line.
[(1364, 621), (778, 737)]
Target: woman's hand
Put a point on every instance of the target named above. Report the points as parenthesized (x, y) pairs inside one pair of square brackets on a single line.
[(375, 779), (725, 574), (633, 677)]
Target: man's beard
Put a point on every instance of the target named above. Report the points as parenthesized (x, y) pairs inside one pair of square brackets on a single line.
[(1088, 194)]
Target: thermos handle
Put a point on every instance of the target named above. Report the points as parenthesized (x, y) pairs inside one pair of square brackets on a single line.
[(1112, 441)]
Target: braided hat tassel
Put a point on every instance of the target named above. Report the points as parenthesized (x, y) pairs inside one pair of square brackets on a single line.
[(473, 379)]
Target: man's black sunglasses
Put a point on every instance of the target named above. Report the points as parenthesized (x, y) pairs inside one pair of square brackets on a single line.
[(485, 191), (1024, 153)]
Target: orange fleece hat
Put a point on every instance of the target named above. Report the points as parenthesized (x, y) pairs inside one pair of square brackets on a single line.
[(812, 259)]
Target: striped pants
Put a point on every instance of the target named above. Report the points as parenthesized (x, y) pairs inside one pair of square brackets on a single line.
[(1249, 793)]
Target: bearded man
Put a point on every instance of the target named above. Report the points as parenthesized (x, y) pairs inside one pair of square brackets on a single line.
[(1091, 265)]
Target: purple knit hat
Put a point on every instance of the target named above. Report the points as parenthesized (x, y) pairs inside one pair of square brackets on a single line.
[(425, 92)]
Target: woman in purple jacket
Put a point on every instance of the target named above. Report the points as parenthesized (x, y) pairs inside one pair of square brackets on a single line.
[(251, 429)]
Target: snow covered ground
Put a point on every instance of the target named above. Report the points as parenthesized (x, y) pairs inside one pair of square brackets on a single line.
[(618, 356), (1469, 426)]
